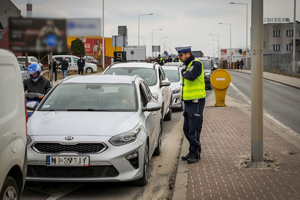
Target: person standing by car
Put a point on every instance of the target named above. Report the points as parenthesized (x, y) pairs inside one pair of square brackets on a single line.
[(36, 83), (170, 59), (54, 63), (176, 59), (193, 94), (238, 64), (80, 64), (64, 67), (242, 64)]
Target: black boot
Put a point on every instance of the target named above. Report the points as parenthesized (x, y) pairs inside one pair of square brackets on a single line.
[(185, 157), (193, 160)]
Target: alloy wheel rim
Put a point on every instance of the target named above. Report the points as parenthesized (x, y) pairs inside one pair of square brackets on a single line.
[(10, 194)]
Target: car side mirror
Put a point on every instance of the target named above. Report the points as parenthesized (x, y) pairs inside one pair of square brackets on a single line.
[(31, 105), (165, 83), (151, 106)]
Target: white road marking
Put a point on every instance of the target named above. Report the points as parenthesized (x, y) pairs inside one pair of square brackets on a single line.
[(271, 117), (64, 190)]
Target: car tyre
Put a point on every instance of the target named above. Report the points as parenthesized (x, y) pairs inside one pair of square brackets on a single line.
[(168, 116), (158, 149), (144, 180), (89, 70), (10, 189)]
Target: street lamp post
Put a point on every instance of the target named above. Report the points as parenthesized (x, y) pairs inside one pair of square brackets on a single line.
[(139, 29), (103, 39), (230, 42), (160, 41), (246, 66), (152, 38), (218, 45), (213, 49)]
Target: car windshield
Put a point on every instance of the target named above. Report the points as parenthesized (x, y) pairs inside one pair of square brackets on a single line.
[(149, 75), (21, 59), (91, 97), (205, 64), (172, 75)]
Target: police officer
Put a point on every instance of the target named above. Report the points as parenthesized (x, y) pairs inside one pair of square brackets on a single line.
[(193, 95)]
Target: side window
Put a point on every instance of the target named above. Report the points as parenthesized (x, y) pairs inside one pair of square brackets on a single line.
[(75, 60), (68, 59), (148, 91), (143, 95), (162, 73)]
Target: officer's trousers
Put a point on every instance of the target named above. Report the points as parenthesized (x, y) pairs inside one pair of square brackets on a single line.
[(80, 70), (193, 119)]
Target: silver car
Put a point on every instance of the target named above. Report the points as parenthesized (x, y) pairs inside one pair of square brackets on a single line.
[(95, 129), (154, 76), (173, 74)]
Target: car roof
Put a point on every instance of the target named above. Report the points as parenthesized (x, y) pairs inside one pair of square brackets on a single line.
[(134, 64), (101, 79)]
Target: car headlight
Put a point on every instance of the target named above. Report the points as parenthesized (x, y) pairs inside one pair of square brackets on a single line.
[(207, 74), (177, 90), (125, 138)]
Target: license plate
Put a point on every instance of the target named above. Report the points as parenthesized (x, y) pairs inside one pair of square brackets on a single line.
[(77, 161)]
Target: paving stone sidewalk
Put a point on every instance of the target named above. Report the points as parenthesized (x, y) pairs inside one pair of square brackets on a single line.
[(226, 144)]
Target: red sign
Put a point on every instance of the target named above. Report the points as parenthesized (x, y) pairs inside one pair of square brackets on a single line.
[(93, 47), (223, 52)]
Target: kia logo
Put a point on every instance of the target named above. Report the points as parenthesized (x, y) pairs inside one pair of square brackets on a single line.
[(69, 138)]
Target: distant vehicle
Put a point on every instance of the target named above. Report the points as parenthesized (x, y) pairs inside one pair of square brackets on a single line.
[(154, 76), (198, 54), (109, 128), (23, 72), (172, 71), (91, 59), (13, 163), (72, 60), (31, 60), (208, 66)]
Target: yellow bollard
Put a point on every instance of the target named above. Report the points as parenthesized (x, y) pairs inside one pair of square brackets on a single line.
[(220, 80)]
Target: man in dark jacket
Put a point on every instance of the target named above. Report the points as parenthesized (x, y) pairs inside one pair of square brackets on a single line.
[(170, 59), (54, 68), (64, 67), (176, 59), (80, 64)]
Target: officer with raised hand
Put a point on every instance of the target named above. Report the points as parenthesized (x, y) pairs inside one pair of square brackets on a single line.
[(193, 95)]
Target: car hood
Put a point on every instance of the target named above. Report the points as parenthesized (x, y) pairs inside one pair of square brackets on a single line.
[(175, 85), (87, 64), (81, 123)]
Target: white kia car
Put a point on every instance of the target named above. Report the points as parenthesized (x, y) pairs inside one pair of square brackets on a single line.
[(95, 128)]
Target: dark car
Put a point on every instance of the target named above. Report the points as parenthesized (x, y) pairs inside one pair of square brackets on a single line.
[(208, 67)]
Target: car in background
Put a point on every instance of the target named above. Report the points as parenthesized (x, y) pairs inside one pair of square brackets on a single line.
[(154, 76), (12, 128), (208, 65), (24, 73), (31, 60), (91, 59), (72, 60), (109, 128), (172, 72)]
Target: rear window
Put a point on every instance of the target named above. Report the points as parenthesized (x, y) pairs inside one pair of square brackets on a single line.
[(21, 59), (149, 75), (205, 64)]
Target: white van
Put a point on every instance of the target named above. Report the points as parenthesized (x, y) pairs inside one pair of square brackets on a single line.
[(72, 60), (13, 163)]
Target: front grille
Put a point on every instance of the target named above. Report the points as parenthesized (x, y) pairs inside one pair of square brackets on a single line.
[(72, 172), (80, 148)]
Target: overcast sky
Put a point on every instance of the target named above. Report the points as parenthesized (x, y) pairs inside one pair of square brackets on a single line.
[(183, 22)]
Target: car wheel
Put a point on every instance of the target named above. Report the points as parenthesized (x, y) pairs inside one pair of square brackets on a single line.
[(144, 180), (181, 108), (89, 70), (168, 116), (209, 87), (158, 149), (10, 189)]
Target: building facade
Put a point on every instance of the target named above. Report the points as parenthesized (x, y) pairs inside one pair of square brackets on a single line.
[(278, 38)]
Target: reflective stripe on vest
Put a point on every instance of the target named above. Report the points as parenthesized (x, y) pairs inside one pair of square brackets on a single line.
[(194, 89)]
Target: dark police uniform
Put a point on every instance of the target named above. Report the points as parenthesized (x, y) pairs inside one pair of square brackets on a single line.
[(193, 95), (80, 64)]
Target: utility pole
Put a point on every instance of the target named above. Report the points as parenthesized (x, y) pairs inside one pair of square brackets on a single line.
[(294, 41), (257, 158)]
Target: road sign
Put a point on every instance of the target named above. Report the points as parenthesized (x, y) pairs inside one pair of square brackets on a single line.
[(131, 52), (51, 40)]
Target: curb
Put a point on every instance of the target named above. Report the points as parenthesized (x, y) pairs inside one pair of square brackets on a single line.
[(293, 86), (180, 186)]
